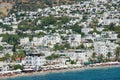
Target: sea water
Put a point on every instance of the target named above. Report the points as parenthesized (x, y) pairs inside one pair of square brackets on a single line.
[(88, 74)]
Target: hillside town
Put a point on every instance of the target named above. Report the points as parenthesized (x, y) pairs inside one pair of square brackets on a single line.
[(60, 37)]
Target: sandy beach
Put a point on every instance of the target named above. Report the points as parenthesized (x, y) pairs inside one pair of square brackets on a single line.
[(60, 70)]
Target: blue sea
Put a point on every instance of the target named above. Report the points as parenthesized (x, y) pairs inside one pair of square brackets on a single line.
[(88, 74)]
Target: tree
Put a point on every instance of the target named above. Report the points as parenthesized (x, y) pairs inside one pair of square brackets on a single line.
[(100, 58), (7, 57), (117, 29), (118, 36), (95, 21), (76, 28), (21, 54), (53, 56), (81, 46), (111, 26), (2, 59), (84, 18), (11, 39), (48, 2), (18, 67), (57, 47), (48, 21), (65, 19), (117, 53), (94, 55), (14, 48), (67, 46), (1, 48), (7, 27), (108, 56), (61, 47), (14, 56), (72, 62)]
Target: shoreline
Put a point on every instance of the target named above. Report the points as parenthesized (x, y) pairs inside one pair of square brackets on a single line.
[(59, 71)]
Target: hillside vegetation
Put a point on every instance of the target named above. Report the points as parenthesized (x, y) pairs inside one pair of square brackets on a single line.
[(34, 4)]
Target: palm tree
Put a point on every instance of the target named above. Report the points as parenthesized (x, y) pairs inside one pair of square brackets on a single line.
[(21, 54), (94, 56), (2, 59), (14, 56), (117, 53), (108, 56), (100, 58), (111, 26), (7, 57)]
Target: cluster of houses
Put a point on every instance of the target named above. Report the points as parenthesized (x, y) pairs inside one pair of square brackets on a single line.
[(80, 47)]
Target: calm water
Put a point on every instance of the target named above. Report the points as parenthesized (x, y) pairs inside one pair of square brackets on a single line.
[(92, 74)]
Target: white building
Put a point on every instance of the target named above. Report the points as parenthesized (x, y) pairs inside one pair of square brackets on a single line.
[(86, 30), (24, 41), (104, 47), (74, 40), (108, 21), (100, 48), (109, 35), (76, 55), (36, 41), (50, 40), (5, 67), (111, 46), (34, 59)]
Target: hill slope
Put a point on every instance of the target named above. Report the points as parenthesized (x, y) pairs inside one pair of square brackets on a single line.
[(32, 5)]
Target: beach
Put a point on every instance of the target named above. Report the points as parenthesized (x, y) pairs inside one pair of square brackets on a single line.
[(93, 66)]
